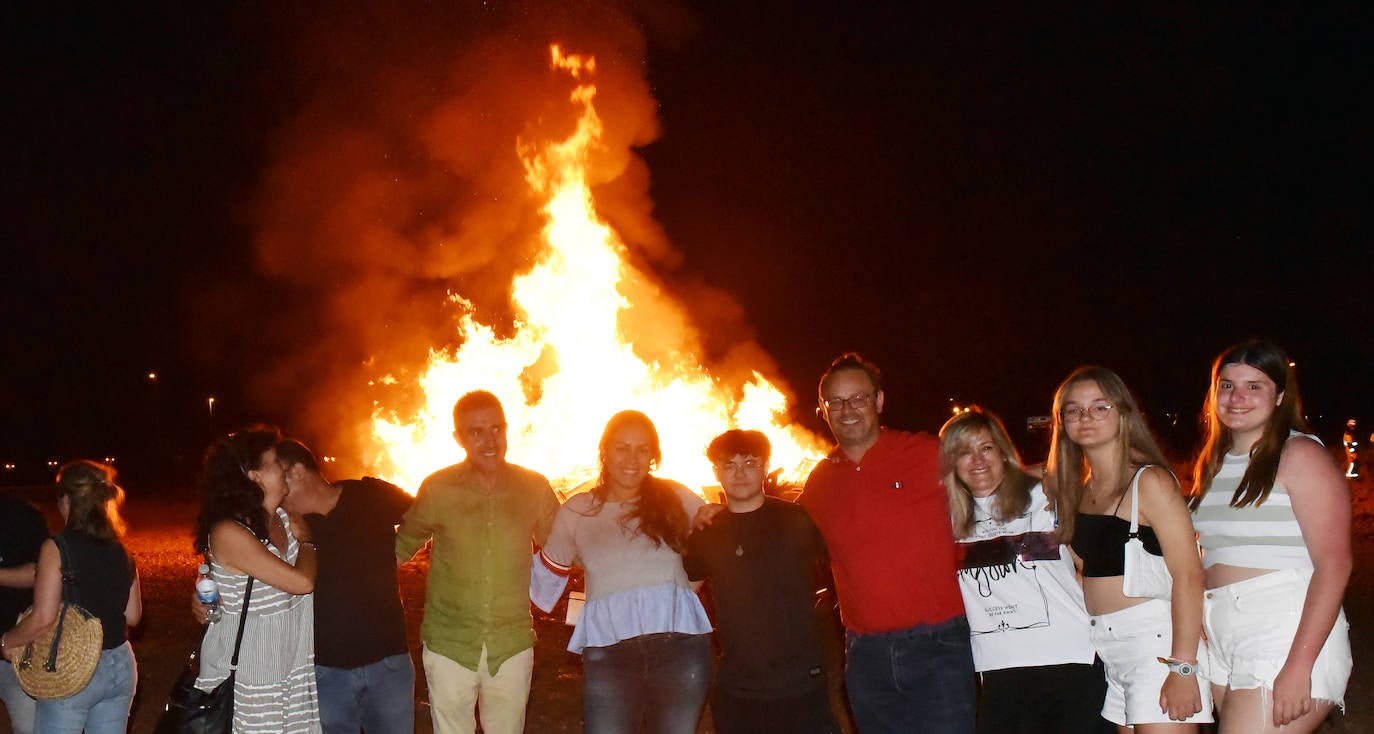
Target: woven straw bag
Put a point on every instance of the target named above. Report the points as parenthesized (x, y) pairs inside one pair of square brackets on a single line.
[(62, 660)]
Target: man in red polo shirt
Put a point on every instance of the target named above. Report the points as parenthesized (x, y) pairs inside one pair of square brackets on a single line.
[(879, 505)]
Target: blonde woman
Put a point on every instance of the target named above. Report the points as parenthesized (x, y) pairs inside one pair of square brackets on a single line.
[(1028, 625), (106, 584), (1273, 512), (1100, 450)]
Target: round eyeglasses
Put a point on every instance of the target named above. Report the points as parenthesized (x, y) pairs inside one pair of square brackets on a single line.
[(735, 467), (1096, 411)]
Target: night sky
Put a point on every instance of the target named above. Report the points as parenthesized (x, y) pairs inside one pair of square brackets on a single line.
[(978, 200)]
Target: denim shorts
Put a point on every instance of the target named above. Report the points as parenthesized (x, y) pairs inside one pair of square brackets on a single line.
[(1130, 642), (1250, 627)]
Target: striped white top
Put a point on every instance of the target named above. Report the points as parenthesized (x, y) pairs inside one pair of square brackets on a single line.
[(1265, 536), (274, 689)]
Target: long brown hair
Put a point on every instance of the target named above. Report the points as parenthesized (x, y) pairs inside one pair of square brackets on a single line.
[(93, 499), (1259, 476), (661, 516), (1010, 498), (1067, 470), (228, 492)]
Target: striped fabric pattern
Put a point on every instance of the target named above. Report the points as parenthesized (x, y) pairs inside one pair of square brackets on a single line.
[(1267, 536), (274, 690)]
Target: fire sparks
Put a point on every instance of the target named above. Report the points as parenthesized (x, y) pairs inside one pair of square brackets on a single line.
[(570, 363)]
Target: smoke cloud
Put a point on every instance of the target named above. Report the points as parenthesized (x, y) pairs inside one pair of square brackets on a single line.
[(396, 181)]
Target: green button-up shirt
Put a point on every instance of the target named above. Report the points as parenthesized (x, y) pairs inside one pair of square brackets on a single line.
[(479, 573)]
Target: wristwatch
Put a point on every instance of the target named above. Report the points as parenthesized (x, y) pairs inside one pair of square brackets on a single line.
[(1181, 667)]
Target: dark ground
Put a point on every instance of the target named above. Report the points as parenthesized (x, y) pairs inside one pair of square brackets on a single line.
[(159, 539)]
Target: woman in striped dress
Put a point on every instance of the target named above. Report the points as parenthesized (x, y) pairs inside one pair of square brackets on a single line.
[(243, 531), (1273, 514)]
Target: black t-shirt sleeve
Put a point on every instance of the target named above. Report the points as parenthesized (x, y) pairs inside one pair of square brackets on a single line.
[(694, 561), (395, 501), (817, 555), (817, 544)]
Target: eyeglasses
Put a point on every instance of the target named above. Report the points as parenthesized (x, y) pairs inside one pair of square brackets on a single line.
[(1096, 411), (855, 402), (734, 467)]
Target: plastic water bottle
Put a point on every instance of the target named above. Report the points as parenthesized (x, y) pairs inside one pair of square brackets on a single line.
[(208, 593)]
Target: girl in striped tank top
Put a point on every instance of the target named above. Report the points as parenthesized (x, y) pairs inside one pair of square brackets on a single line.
[(243, 532), (1273, 515)]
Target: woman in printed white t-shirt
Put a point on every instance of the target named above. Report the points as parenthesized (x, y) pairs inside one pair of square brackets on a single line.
[(1021, 592)]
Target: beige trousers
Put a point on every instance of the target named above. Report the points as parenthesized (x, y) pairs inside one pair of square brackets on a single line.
[(500, 698)]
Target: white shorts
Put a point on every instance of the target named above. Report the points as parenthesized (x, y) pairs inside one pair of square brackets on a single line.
[(1250, 627), (1130, 642)]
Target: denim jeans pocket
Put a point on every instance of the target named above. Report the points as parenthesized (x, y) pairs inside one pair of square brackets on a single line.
[(955, 634)]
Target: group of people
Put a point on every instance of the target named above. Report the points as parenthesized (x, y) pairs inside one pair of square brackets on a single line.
[(957, 570), (1249, 633)]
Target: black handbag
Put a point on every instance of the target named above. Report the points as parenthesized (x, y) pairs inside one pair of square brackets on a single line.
[(190, 710)]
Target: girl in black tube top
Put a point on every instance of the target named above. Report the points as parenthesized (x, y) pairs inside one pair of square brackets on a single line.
[(1100, 446)]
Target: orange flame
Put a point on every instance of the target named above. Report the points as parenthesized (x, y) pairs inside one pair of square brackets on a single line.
[(568, 367)]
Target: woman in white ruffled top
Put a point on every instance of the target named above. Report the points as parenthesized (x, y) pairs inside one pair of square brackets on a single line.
[(643, 635)]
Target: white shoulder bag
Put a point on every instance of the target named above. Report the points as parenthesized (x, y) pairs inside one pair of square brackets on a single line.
[(1146, 575)]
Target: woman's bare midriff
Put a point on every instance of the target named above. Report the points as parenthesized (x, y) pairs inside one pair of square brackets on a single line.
[(1220, 574), (1102, 595)]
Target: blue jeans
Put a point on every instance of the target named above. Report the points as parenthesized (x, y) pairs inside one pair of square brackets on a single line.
[(17, 702), (919, 679), (658, 680), (379, 697), (102, 707)]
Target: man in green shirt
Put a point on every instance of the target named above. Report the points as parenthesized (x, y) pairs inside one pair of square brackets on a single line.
[(482, 515)]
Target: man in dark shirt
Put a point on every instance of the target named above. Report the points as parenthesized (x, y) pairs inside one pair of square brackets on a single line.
[(763, 558), (22, 532), (363, 671)]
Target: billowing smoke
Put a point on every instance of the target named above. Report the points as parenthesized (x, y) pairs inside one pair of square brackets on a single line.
[(396, 181)]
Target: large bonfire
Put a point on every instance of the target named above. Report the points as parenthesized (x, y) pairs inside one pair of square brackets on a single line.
[(571, 360)]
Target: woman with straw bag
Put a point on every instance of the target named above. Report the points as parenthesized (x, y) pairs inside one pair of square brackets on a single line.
[(101, 580)]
